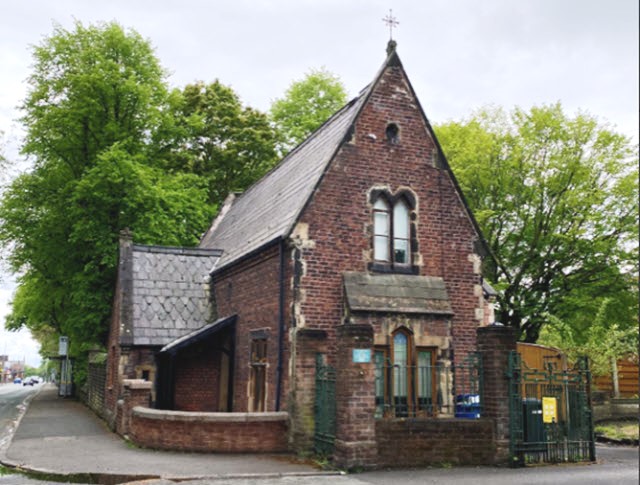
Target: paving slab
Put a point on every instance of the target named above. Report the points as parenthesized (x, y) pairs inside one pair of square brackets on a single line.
[(61, 436)]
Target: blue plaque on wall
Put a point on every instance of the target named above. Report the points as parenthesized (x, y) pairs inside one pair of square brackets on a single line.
[(361, 356)]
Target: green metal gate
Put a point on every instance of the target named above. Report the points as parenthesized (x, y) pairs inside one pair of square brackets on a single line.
[(550, 413), (325, 407)]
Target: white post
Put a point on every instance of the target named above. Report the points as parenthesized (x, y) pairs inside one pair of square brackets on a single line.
[(614, 376)]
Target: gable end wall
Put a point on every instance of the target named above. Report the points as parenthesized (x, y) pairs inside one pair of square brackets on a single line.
[(338, 222)]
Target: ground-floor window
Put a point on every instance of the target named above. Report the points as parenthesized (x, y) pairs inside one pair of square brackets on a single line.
[(405, 379), (258, 379)]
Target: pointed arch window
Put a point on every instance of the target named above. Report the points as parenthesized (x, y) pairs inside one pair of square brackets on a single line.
[(401, 233), (381, 230), (391, 233), (405, 378)]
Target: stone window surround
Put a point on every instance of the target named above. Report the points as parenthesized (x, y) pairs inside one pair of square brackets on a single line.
[(410, 199)]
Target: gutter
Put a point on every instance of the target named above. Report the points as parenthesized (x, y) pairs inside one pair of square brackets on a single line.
[(281, 324)]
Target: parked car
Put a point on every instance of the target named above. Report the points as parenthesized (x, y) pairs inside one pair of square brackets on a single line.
[(17, 380)]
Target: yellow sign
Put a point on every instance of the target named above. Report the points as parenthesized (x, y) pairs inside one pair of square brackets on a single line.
[(549, 410)]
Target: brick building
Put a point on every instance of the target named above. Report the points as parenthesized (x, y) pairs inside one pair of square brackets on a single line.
[(357, 251)]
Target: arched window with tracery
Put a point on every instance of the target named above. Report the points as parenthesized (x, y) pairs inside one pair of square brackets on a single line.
[(392, 232)]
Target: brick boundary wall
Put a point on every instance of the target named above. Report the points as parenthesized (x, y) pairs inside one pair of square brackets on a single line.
[(495, 343), (135, 392), (209, 432), (355, 443), (421, 442)]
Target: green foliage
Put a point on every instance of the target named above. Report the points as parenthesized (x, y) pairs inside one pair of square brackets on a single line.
[(556, 198), (604, 344), (96, 100), (618, 430), (90, 88), (307, 104), (208, 132)]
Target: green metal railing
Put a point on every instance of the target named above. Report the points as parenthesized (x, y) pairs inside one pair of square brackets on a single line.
[(428, 390), (325, 407), (550, 413)]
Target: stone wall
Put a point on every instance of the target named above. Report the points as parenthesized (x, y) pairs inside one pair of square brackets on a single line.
[(616, 409)]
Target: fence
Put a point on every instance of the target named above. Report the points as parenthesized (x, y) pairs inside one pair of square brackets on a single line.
[(627, 380), (550, 414), (426, 390)]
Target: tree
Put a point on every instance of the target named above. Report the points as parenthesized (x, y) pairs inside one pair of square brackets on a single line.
[(307, 104), (556, 198), (96, 98), (605, 343), (211, 134)]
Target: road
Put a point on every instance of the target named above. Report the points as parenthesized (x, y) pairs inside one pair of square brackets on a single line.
[(12, 397)]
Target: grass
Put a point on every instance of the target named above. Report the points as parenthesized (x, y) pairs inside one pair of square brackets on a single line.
[(618, 430)]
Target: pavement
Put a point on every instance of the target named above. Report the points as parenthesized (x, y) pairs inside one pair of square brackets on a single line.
[(61, 439), (58, 439)]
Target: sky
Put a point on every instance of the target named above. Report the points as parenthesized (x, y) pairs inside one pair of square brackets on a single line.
[(460, 55)]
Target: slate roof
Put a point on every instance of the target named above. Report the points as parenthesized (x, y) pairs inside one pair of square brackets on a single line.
[(396, 293), (270, 207), (197, 335), (169, 288)]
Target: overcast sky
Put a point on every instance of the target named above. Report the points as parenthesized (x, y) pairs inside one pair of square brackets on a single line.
[(459, 54)]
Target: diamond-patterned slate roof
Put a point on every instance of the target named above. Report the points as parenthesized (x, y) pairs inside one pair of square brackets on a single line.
[(170, 296)]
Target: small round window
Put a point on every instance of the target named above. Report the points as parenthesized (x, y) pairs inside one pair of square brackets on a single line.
[(393, 133)]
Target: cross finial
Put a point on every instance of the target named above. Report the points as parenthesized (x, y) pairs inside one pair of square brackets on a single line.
[(391, 21)]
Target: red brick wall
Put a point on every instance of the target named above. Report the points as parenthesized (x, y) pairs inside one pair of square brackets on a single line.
[(495, 343), (355, 444), (420, 442), (196, 380), (340, 217), (225, 433), (251, 290), (301, 399)]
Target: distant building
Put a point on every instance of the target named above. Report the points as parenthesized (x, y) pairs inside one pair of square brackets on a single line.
[(11, 369)]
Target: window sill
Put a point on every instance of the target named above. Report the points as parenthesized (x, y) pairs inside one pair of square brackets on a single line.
[(378, 267)]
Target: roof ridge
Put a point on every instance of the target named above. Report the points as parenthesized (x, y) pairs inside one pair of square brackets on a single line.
[(190, 251)]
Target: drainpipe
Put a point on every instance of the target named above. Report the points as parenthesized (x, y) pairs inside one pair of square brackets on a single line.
[(281, 328)]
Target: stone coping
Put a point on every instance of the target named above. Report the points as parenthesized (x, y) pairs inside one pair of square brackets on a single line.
[(137, 384), (190, 416)]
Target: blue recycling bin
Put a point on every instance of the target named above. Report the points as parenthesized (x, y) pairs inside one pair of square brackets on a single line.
[(467, 406)]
